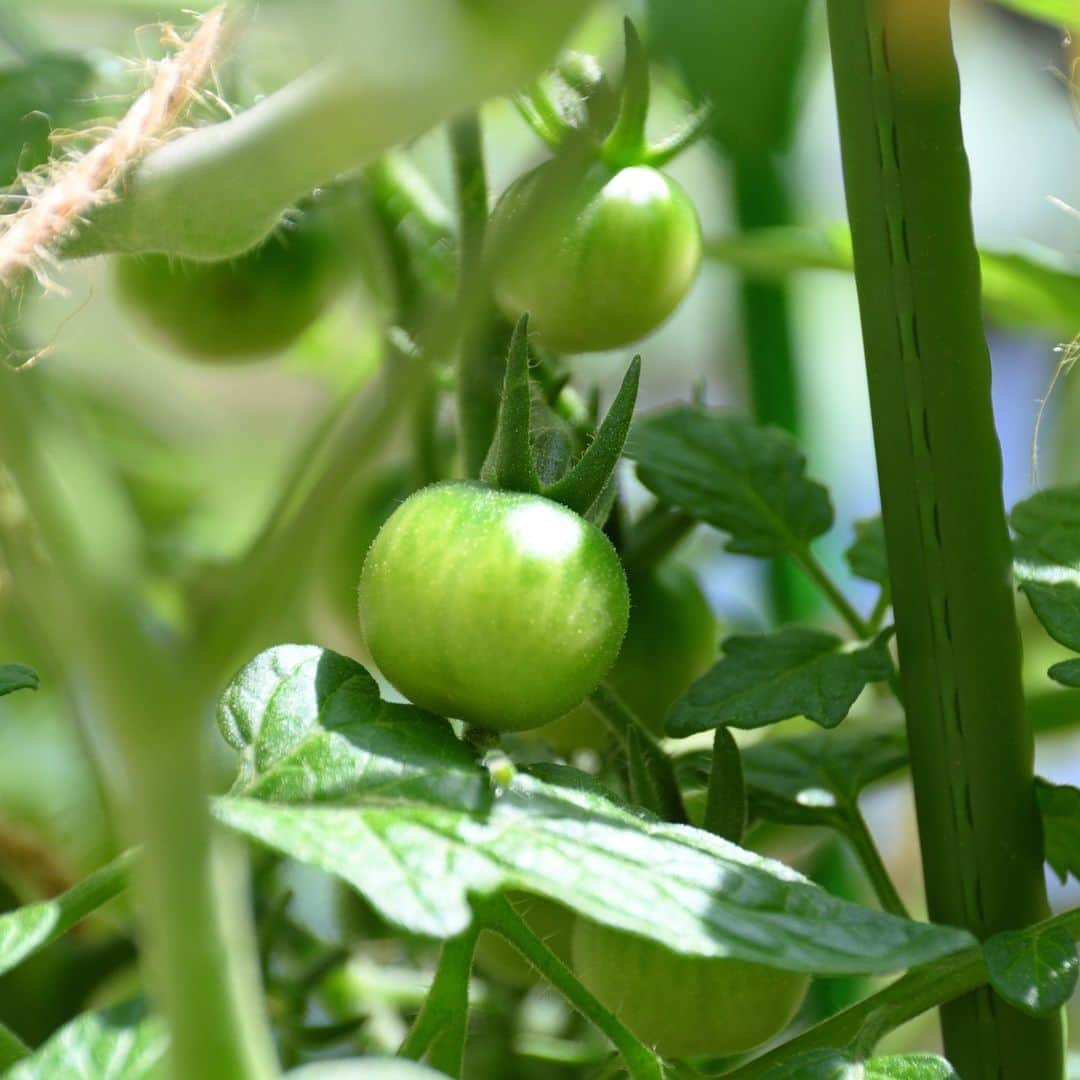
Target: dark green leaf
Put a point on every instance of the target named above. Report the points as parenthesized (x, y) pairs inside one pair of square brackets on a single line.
[(866, 556), (17, 677), (1035, 971), (835, 1065), (1059, 805), (763, 678), (417, 865), (119, 1043), (509, 463), (585, 483), (746, 480), (311, 727), (1047, 562), (726, 807), (37, 97), (1067, 673), (652, 785)]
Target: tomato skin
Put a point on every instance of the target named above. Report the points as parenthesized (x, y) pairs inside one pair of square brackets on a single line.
[(597, 257), (235, 309), (670, 641), (685, 1005), (498, 608)]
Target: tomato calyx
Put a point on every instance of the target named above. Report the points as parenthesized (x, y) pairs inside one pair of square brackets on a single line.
[(575, 103), (511, 461)]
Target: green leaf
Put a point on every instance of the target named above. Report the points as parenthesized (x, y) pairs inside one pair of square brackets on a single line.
[(311, 727), (509, 462), (584, 485), (36, 97), (1059, 805), (1047, 560), (763, 678), (17, 677), (726, 805), (692, 892), (1033, 971), (120, 1043), (866, 555), (1067, 672), (746, 480), (1062, 12), (33, 926), (365, 1068)]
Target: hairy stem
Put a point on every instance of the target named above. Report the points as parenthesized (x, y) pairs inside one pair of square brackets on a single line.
[(870, 858)]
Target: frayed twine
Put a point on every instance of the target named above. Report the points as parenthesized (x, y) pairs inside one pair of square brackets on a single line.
[(54, 208)]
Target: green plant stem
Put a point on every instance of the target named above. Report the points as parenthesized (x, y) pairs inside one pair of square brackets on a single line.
[(438, 1035), (199, 941), (880, 610), (832, 592), (762, 201), (496, 914), (636, 738), (12, 1048), (858, 833), (939, 466), (480, 364)]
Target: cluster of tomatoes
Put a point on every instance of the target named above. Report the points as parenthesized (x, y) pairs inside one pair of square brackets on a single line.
[(504, 609)]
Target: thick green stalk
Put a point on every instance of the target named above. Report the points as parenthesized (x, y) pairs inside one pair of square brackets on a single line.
[(12, 1048), (939, 466), (762, 201)]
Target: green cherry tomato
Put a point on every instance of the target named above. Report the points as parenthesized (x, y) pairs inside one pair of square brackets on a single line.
[(598, 257), (498, 608), (685, 1005), (550, 922), (670, 641), (235, 309)]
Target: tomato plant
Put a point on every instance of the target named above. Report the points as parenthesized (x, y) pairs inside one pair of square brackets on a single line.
[(414, 565)]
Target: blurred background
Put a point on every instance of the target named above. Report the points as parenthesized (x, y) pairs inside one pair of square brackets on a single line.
[(203, 448)]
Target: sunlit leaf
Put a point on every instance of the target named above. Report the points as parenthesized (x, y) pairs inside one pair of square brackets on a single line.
[(418, 865), (120, 1043), (310, 726), (17, 677)]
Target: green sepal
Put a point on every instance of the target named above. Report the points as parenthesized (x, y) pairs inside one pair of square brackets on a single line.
[(726, 807), (509, 464), (625, 144), (582, 487)]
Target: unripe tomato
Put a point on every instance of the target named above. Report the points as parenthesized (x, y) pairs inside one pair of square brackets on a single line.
[(670, 641), (598, 257), (550, 922), (685, 1005), (498, 608), (235, 309)]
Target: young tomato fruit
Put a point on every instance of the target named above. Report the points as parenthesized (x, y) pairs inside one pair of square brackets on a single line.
[(670, 641), (685, 1005), (498, 608), (235, 309), (598, 257)]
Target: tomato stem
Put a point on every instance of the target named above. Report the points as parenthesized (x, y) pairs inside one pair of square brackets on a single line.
[(438, 1034), (495, 913), (817, 573), (862, 840)]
